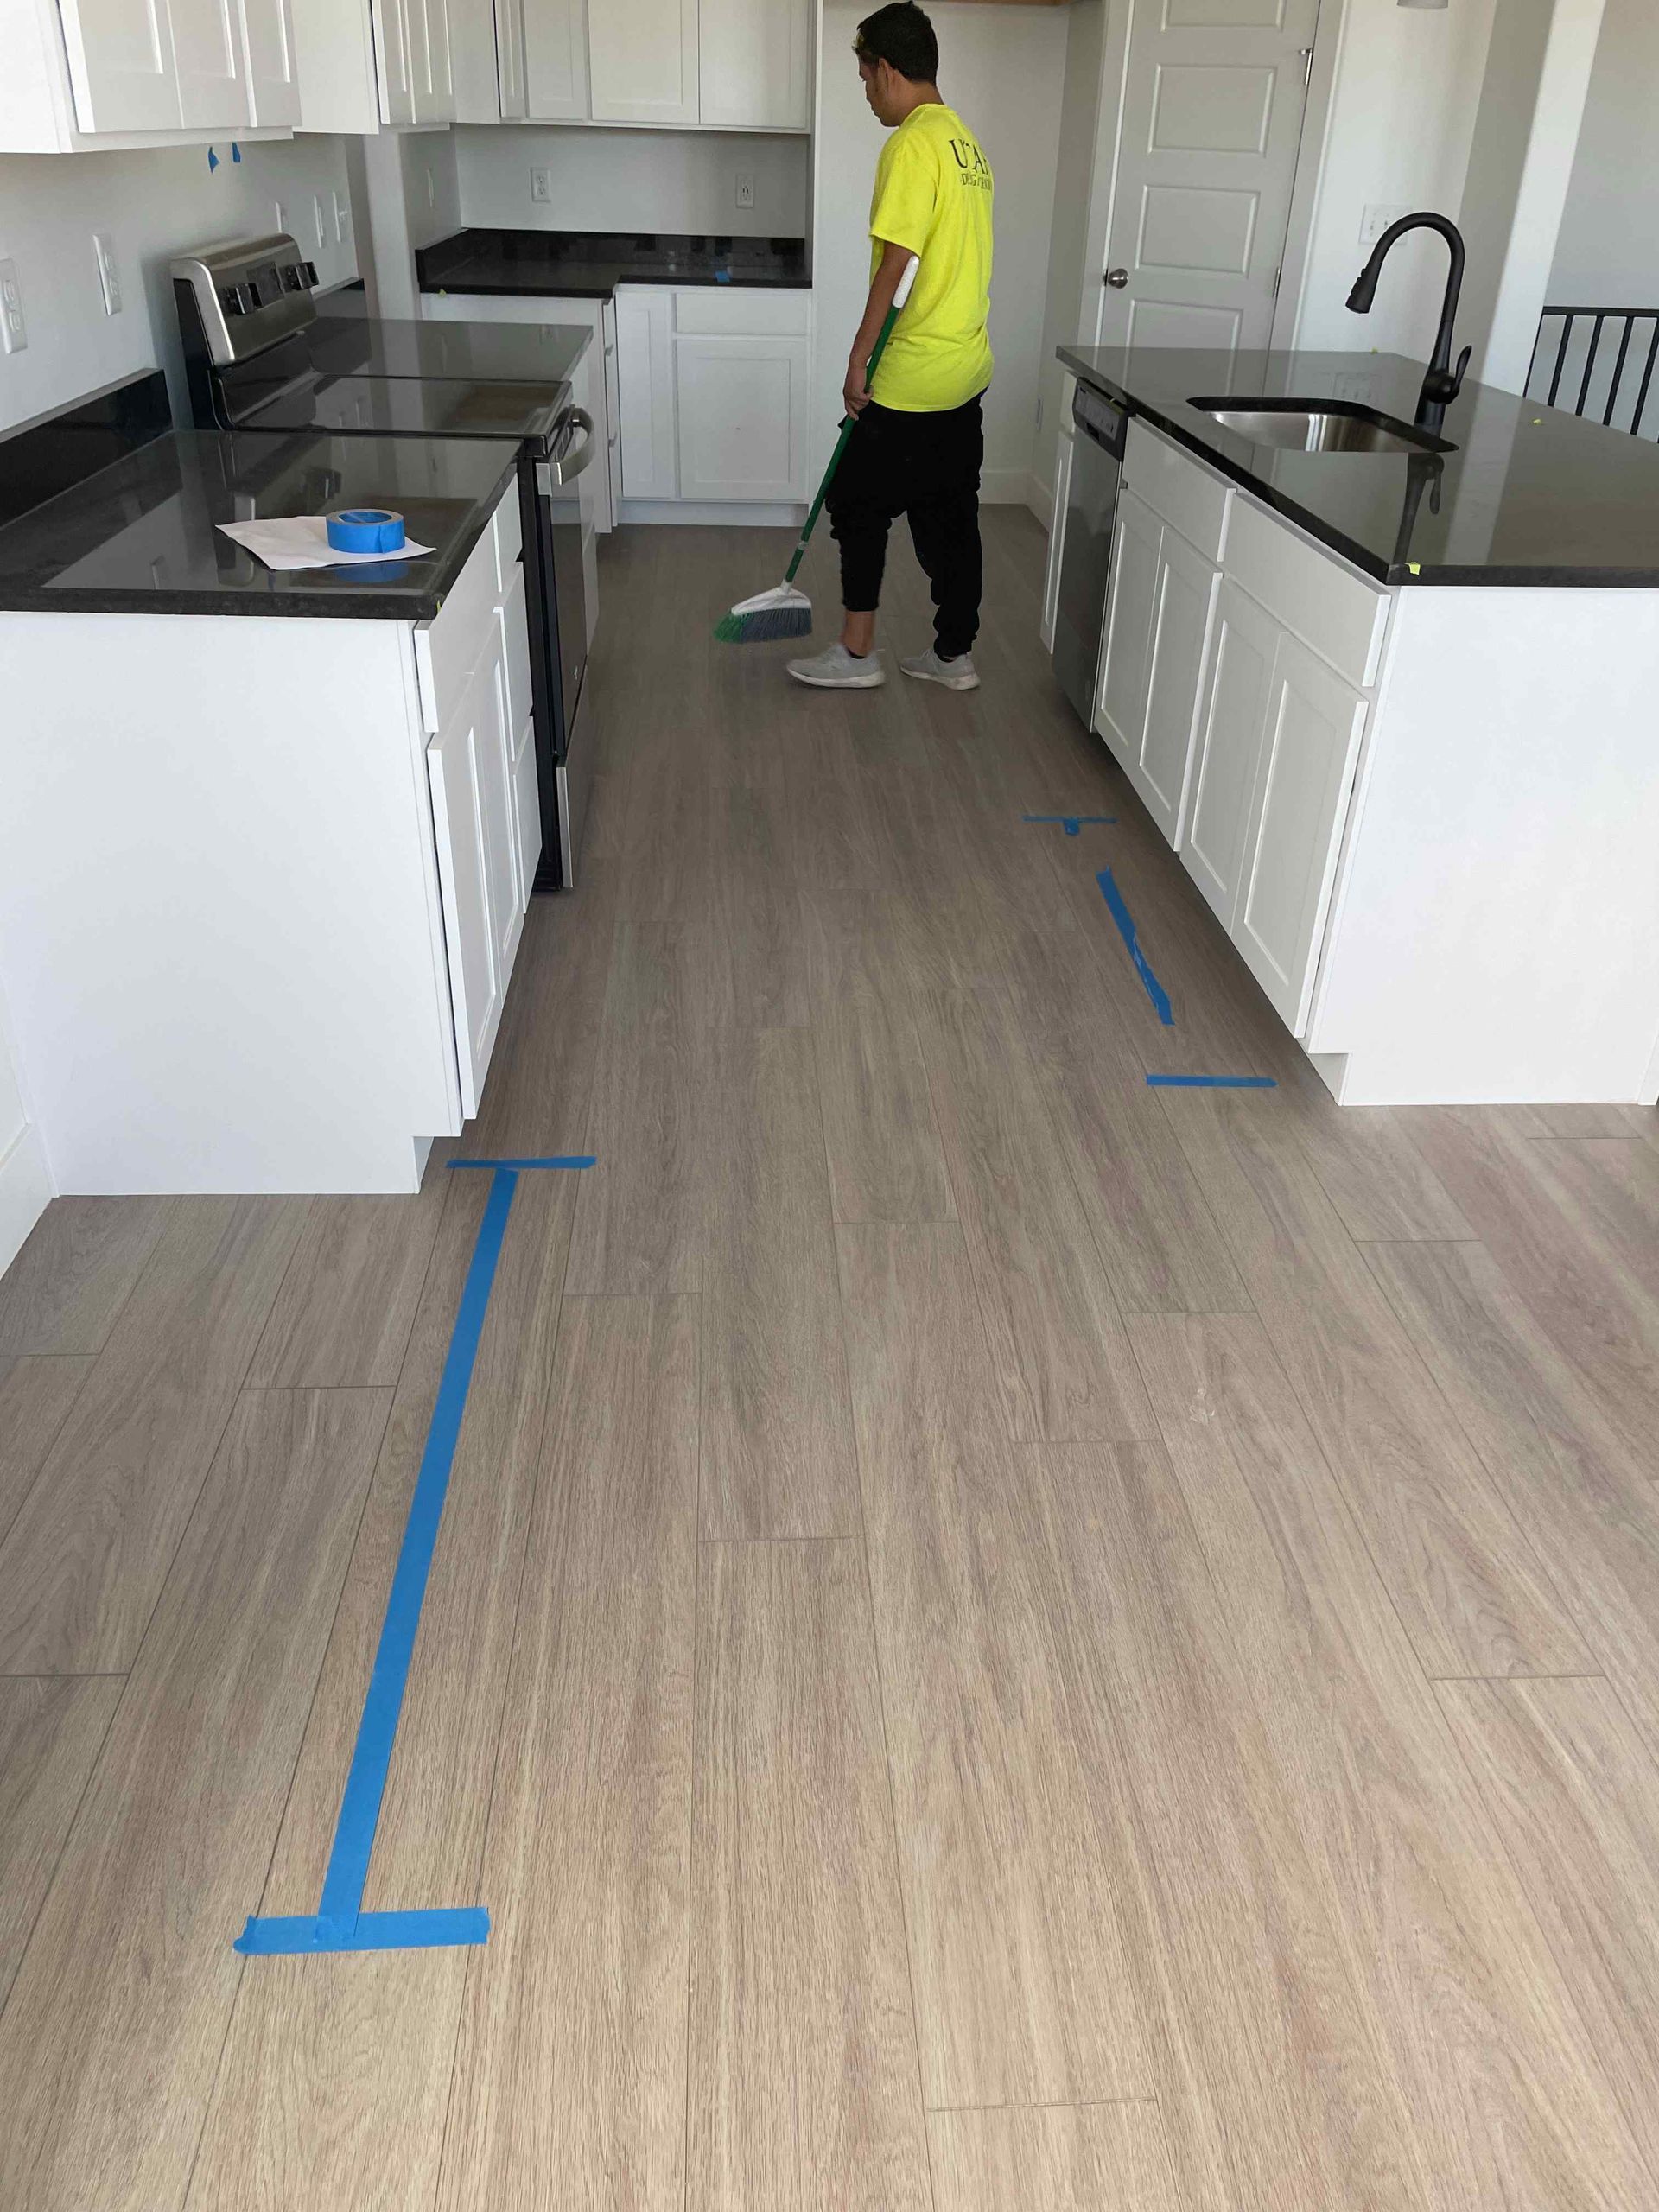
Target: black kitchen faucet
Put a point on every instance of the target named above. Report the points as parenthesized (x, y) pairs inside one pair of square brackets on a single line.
[(1443, 382)]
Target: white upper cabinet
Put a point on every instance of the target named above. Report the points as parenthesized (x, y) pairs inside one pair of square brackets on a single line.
[(753, 64), (556, 60), (207, 54), (121, 65), (512, 95), (273, 73), (431, 82), (642, 61)]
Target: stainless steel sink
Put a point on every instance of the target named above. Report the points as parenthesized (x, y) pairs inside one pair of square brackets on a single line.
[(1318, 426)]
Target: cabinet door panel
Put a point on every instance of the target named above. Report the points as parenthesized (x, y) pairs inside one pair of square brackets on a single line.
[(207, 54), (1180, 632), (457, 768), (500, 829), (753, 68), (393, 59), (1242, 645), (120, 64), (510, 59), (556, 60), (430, 76), (267, 46), (645, 370), (1304, 781), (1121, 713), (742, 417), (642, 60)]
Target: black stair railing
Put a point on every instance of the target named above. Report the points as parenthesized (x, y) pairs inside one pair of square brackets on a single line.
[(1599, 362)]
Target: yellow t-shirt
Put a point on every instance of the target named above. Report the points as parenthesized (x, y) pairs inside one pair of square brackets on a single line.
[(933, 193)]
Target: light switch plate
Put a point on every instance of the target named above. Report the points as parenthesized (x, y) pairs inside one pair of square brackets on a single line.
[(321, 221), (541, 187), (108, 275), (13, 334), (1375, 219), (342, 218)]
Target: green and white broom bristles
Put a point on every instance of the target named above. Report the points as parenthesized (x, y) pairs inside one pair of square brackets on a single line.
[(781, 613)]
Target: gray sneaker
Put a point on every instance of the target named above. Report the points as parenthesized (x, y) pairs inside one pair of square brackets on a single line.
[(839, 670), (959, 674)]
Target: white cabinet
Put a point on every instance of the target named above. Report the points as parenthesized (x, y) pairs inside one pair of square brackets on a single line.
[(1309, 750), (121, 65), (1120, 710), (432, 87), (273, 72), (513, 100), (207, 54), (642, 61), (363, 65), (755, 65), (1183, 601), (645, 377), (556, 60), (743, 405), (1244, 642)]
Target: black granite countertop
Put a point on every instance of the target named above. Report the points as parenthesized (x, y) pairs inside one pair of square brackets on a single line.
[(1529, 495), (591, 264), (139, 536), (343, 345)]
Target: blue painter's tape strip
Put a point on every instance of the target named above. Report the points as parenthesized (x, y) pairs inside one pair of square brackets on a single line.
[(574, 1160), (1120, 913), (1071, 823), (360, 1810), (368, 1931), (1212, 1082)]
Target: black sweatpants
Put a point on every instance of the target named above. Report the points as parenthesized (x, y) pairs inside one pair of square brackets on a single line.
[(925, 466)]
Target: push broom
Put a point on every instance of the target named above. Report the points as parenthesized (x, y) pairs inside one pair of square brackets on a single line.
[(782, 612)]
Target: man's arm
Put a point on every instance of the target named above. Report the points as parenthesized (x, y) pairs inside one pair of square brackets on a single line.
[(895, 261)]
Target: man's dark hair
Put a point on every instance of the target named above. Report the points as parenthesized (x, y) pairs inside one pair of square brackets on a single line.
[(902, 34)]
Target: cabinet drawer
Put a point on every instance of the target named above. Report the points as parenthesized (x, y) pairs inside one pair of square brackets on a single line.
[(716, 312), (1180, 490), (1335, 612)]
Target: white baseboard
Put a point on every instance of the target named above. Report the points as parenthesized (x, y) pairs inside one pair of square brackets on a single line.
[(750, 514), (25, 1190)]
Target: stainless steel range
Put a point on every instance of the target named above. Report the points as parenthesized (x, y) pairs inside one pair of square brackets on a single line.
[(256, 361)]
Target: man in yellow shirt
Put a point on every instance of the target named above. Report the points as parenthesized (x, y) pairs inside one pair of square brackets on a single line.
[(919, 442)]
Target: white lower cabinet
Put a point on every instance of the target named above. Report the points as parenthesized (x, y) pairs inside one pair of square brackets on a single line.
[(1126, 658), (645, 381), (743, 406), (1310, 748), (1163, 597), (1234, 716)]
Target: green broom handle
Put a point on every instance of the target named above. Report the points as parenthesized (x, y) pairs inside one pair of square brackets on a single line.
[(850, 422)]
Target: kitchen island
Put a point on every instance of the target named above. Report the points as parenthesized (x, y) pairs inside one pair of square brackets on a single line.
[(1394, 709)]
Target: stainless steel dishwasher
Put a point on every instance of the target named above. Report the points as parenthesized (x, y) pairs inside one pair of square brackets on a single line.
[(1086, 549)]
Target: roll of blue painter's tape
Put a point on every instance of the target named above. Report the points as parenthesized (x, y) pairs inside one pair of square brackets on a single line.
[(365, 530)]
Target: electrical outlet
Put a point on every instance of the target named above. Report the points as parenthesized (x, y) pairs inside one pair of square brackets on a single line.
[(541, 187), (342, 218), (321, 221), (13, 334), (746, 187), (108, 276), (1374, 220)]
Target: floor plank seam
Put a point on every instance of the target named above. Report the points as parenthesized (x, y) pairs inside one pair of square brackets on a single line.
[(69, 1826), (692, 1723), (896, 1864), (50, 1445)]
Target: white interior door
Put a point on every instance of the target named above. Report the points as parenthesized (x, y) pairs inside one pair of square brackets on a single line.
[(1212, 122), (121, 66)]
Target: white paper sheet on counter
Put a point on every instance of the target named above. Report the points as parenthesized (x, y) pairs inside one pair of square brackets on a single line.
[(302, 542)]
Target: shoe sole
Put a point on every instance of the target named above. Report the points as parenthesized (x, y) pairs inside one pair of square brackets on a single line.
[(841, 683), (946, 683)]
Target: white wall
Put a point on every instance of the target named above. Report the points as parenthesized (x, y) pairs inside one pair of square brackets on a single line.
[(678, 181), (1398, 131), (1607, 253), (1002, 69), (1070, 304), (156, 204)]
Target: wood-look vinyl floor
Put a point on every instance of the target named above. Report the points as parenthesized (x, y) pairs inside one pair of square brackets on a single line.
[(1002, 1641)]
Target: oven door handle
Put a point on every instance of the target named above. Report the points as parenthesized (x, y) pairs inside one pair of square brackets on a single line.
[(550, 474)]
